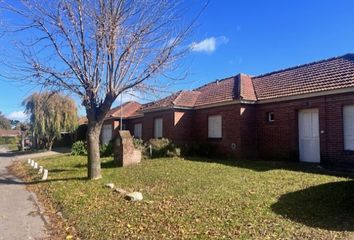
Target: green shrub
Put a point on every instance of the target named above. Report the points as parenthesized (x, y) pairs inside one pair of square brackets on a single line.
[(159, 147), (79, 148), (106, 150), (140, 145), (173, 151), (163, 148), (8, 140), (198, 150)]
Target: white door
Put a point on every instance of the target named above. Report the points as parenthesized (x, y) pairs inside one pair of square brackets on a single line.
[(106, 133), (309, 136)]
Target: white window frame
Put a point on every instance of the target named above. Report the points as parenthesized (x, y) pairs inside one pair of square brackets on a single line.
[(158, 128), (348, 128), (138, 130), (215, 126)]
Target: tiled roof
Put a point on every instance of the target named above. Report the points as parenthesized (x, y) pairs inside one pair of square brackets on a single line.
[(247, 90), (329, 74), (126, 110), (218, 91), (162, 103), (186, 98), (9, 133), (233, 88)]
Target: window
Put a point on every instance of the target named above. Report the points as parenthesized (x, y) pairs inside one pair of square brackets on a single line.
[(215, 126), (348, 125), (138, 130), (106, 133), (270, 116), (158, 126)]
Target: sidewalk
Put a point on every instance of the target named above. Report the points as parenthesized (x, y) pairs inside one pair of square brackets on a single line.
[(20, 216)]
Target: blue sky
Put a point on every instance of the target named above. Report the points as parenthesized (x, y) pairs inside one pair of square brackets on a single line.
[(252, 37)]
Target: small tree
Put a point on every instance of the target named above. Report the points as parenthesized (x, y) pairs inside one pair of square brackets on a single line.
[(4, 122), (50, 115), (99, 49)]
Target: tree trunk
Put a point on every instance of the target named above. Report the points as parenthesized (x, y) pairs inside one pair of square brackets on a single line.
[(50, 144), (22, 141), (93, 151)]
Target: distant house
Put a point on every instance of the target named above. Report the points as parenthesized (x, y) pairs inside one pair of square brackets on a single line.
[(303, 113), (9, 133)]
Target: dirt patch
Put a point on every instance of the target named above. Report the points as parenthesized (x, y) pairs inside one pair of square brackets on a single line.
[(57, 226)]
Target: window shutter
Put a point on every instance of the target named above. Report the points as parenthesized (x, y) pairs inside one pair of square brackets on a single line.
[(158, 127), (215, 126), (348, 122), (138, 130)]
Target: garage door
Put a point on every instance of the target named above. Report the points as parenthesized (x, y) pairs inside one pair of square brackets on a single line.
[(309, 137), (348, 122), (106, 133)]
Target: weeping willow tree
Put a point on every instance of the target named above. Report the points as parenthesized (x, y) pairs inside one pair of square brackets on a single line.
[(51, 114)]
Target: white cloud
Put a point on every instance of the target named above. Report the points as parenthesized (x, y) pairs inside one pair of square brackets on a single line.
[(208, 45), (19, 115)]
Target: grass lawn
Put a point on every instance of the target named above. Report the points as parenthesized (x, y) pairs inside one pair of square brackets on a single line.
[(11, 147), (195, 199)]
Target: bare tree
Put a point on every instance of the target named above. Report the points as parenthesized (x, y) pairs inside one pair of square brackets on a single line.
[(98, 49)]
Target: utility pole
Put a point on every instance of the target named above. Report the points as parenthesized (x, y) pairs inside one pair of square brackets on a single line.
[(121, 112)]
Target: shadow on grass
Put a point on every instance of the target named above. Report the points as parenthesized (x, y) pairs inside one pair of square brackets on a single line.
[(105, 164), (10, 180), (327, 206), (263, 166)]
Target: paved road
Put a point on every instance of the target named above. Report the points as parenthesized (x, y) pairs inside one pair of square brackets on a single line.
[(19, 214)]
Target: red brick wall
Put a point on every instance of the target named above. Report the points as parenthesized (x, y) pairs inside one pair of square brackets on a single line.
[(279, 139), (230, 129), (248, 131), (186, 126), (148, 124), (132, 122), (247, 127), (334, 132), (183, 126), (177, 125)]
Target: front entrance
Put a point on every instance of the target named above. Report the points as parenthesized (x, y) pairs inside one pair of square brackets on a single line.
[(309, 136)]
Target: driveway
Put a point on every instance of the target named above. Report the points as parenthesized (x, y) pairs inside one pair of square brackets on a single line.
[(19, 212)]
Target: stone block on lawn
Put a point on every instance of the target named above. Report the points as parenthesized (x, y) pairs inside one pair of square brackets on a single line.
[(120, 191), (109, 185), (40, 171), (35, 165), (134, 196), (45, 174), (29, 161)]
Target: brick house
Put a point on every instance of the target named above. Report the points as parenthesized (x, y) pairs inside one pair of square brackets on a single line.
[(123, 113), (304, 113)]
